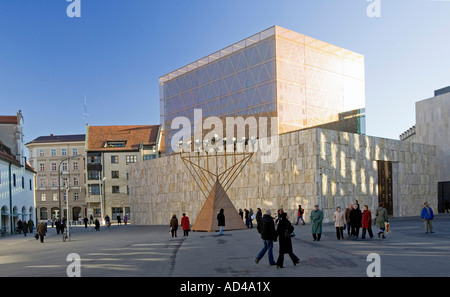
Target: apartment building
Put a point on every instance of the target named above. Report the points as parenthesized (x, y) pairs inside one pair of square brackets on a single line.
[(110, 150), (60, 156)]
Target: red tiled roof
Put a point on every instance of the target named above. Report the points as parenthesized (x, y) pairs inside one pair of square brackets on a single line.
[(8, 119), (99, 136)]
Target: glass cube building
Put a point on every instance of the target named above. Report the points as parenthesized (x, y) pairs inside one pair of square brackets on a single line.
[(279, 73)]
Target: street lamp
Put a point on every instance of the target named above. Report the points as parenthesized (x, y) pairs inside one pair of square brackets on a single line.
[(59, 181)]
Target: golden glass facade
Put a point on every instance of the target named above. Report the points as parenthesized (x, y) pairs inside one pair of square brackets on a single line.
[(277, 72)]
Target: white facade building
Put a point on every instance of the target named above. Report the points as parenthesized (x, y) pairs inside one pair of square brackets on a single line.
[(17, 178)]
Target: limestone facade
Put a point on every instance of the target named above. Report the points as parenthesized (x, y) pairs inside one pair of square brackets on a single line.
[(320, 166)]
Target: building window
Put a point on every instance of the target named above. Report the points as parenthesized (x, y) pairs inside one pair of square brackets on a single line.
[(54, 168), (41, 153), (55, 197), (41, 167), (63, 152), (115, 189), (64, 166), (0, 176), (23, 182), (54, 181), (53, 152), (127, 212), (128, 175), (76, 196), (114, 159), (93, 189), (93, 174), (75, 165), (74, 151), (42, 182), (14, 180), (128, 190), (31, 185), (65, 197), (131, 159), (43, 197), (65, 182), (115, 144), (75, 181), (115, 174), (149, 157), (43, 213), (116, 211), (97, 212)]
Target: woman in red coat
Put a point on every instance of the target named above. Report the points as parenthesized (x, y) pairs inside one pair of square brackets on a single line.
[(366, 222), (186, 225)]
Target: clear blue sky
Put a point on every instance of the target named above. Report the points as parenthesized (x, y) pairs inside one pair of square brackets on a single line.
[(115, 53)]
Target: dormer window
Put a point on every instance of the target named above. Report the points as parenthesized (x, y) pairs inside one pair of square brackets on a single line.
[(116, 144)]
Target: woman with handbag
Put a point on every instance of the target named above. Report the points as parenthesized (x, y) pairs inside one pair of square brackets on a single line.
[(285, 231), (381, 219)]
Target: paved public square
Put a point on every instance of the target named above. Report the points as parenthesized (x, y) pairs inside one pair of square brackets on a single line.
[(150, 251)]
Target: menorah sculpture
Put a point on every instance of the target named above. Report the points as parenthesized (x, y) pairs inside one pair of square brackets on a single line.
[(214, 169)]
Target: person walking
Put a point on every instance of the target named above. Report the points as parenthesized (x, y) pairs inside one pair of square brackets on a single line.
[(258, 217), (97, 225), (266, 227), (221, 221), (339, 222), (316, 218), (91, 219), (108, 221), (284, 232), (125, 220), (19, 226), (241, 213), (250, 217), (246, 215), (355, 220), (186, 225), (366, 222), (41, 230), (300, 213), (427, 216), (174, 225), (279, 212), (347, 219), (30, 225), (381, 219), (57, 225), (85, 220), (25, 228), (119, 220)]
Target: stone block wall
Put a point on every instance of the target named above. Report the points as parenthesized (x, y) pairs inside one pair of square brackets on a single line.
[(314, 166)]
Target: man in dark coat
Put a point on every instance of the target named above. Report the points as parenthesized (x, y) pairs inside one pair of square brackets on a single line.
[(85, 220), (119, 220), (19, 226), (266, 227), (284, 231), (41, 230), (97, 225), (355, 220), (58, 225), (30, 225), (258, 217), (25, 228), (221, 221)]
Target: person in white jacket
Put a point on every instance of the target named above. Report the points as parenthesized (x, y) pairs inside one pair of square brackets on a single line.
[(339, 222)]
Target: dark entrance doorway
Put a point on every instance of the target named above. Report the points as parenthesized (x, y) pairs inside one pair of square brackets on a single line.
[(443, 195), (385, 185)]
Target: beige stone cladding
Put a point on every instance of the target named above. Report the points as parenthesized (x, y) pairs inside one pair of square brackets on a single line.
[(314, 166)]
